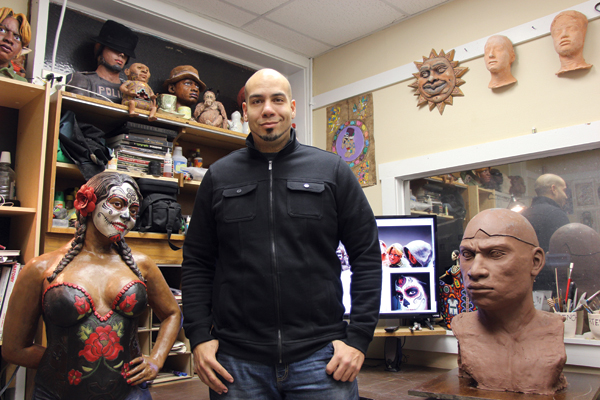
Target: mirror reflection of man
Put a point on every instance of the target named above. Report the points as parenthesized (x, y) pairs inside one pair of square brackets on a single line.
[(506, 344), (568, 31), (499, 55), (114, 46), (546, 215)]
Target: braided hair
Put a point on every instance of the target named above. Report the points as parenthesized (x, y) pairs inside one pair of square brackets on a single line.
[(101, 183)]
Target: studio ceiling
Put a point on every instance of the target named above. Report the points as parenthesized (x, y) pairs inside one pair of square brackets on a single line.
[(308, 27)]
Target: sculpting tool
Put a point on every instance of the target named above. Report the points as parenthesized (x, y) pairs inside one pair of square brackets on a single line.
[(551, 304), (569, 280)]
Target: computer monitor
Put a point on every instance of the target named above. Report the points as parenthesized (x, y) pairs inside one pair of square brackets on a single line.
[(409, 259)]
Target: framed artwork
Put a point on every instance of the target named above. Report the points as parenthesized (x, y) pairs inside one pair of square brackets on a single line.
[(350, 135)]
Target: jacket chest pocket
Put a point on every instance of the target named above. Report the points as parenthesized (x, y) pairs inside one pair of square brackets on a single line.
[(305, 199), (239, 203)]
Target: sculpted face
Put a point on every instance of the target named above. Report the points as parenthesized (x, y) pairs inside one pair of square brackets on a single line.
[(436, 79), (116, 214), (497, 54), (209, 98), (112, 59), (187, 92), (499, 258), (138, 72), (10, 41), (568, 34)]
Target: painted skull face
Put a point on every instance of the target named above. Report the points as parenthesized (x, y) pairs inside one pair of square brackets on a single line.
[(410, 294), (115, 215)]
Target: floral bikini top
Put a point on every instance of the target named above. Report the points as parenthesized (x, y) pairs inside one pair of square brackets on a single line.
[(88, 354)]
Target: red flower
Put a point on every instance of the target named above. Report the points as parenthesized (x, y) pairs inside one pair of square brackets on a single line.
[(82, 305), (128, 304), (85, 200), (74, 377), (102, 343), (125, 370)]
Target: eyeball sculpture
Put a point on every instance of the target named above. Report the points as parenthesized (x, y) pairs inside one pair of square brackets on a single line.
[(410, 294)]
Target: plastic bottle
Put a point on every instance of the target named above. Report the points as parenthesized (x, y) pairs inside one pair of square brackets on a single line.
[(179, 160), (168, 165), (59, 200), (7, 178), (196, 159)]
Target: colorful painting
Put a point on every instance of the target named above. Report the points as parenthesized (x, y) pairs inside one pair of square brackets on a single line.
[(350, 135)]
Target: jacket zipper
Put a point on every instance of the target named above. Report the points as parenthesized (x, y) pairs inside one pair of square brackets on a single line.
[(274, 258)]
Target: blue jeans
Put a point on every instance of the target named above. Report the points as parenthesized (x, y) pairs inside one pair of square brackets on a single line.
[(301, 380)]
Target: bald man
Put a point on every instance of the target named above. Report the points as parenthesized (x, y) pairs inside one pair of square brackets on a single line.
[(261, 281), (506, 344)]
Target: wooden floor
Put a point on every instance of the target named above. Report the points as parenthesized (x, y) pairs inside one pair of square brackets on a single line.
[(373, 383)]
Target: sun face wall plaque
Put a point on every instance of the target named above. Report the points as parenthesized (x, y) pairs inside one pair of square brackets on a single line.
[(438, 80), (350, 135)]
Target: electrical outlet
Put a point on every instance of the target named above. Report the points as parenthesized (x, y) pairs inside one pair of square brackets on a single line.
[(59, 77)]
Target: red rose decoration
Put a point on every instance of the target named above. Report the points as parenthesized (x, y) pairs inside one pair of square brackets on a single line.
[(125, 370), (102, 343), (128, 304), (82, 305), (85, 200), (74, 377)]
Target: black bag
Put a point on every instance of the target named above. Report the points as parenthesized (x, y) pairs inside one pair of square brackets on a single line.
[(160, 213)]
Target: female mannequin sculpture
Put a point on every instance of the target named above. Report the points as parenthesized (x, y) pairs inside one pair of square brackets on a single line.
[(91, 294)]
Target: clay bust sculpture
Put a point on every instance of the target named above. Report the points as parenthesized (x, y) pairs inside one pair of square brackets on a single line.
[(506, 345), (136, 91), (438, 80), (568, 31), (211, 112), (91, 293), (184, 83), (499, 56)]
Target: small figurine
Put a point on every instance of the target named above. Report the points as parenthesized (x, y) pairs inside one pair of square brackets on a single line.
[(136, 91), (568, 31), (236, 122), (211, 112), (185, 84)]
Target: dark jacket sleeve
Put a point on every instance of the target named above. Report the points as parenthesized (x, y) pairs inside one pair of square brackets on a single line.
[(358, 233), (198, 267)]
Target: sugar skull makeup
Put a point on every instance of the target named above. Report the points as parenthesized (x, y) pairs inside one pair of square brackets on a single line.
[(410, 294), (115, 215)]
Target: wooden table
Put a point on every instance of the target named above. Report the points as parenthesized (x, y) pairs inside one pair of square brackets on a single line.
[(449, 386)]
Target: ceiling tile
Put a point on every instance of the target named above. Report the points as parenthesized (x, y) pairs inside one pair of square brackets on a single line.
[(335, 21), (414, 6), (257, 6), (281, 36), (216, 9)]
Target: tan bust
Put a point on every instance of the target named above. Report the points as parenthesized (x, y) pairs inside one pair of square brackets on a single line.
[(499, 56), (568, 31), (506, 345)]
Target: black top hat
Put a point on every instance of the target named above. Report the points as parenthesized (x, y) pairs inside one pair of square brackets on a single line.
[(118, 37)]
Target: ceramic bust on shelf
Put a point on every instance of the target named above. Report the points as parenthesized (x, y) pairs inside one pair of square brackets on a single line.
[(211, 112), (136, 91), (185, 84), (15, 44), (506, 345), (568, 31), (499, 56)]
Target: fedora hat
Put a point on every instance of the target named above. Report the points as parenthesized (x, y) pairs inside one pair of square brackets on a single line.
[(117, 37), (184, 72)]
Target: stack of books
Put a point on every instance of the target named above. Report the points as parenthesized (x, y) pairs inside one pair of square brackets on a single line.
[(135, 145)]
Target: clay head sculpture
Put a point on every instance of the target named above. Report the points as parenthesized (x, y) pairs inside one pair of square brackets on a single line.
[(184, 83), (15, 34), (506, 344), (499, 56), (568, 31)]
